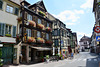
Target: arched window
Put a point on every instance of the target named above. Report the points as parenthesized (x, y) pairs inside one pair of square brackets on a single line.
[(1, 3)]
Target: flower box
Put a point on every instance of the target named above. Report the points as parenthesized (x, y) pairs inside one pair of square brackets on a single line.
[(40, 40), (48, 29), (8, 35), (49, 42), (32, 23), (19, 19), (40, 26), (31, 39), (42, 13)]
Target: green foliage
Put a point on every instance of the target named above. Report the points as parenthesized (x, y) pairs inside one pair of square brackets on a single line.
[(8, 35), (47, 56), (42, 13)]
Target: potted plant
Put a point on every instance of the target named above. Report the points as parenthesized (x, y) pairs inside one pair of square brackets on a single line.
[(19, 19), (47, 58), (31, 39), (40, 40), (32, 23), (41, 13), (48, 42), (48, 29), (40, 26), (8, 35)]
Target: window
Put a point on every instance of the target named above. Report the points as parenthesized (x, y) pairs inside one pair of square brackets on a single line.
[(39, 21), (16, 11), (8, 29), (9, 9), (1, 3), (28, 31), (29, 17), (38, 34), (47, 24), (56, 42), (47, 36), (55, 32)]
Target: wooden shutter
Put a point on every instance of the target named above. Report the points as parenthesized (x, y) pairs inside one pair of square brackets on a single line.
[(1, 3), (16, 11), (14, 31), (3, 29), (0, 28), (35, 34)]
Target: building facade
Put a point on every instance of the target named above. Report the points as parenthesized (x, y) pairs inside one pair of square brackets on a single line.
[(8, 29), (84, 43), (35, 33)]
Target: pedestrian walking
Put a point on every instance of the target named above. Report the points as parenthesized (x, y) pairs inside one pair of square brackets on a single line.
[(72, 55)]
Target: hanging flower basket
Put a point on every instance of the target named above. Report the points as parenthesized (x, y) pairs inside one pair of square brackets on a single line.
[(32, 23), (19, 19), (31, 39), (49, 42), (40, 40), (42, 13), (48, 29), (17, 36), (40, 26)]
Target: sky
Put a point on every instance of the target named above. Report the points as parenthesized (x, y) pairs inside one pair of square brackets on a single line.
[(76, 14)]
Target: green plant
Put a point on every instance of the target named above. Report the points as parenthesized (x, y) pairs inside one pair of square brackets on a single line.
[(47, 56), (8, 35), (42, 13)]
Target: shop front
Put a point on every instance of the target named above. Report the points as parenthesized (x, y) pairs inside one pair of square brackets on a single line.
[(7, 49)]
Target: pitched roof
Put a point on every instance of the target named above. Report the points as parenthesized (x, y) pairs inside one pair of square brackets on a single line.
[(16, 1), (38, 3)]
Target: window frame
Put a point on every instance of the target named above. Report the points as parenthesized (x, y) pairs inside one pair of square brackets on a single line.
[(10, 9), (28, 31), (7, 30), (47, 36), (40, 21)]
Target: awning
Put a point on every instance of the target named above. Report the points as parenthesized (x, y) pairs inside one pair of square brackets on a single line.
[(41, 48), (7, 40)]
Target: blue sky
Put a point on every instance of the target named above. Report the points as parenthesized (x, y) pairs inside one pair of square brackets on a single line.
[(76, 14)]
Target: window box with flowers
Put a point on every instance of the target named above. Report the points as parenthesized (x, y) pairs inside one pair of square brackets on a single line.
[(48, 29), (49, 42), (40, 40), (32, 23), (42, 13), (40, 26), (19, 19), (31, 39), (8, 35)]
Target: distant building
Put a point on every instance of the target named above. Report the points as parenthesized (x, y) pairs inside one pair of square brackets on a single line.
[(84, 42)]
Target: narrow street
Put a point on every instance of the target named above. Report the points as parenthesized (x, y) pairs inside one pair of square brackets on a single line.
[(84, 59)]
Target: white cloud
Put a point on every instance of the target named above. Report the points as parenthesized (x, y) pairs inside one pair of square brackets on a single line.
[(87, 4), (69, 16)]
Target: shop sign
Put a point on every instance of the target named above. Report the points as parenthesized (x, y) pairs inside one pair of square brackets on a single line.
[(97, 38), (97, 29)]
